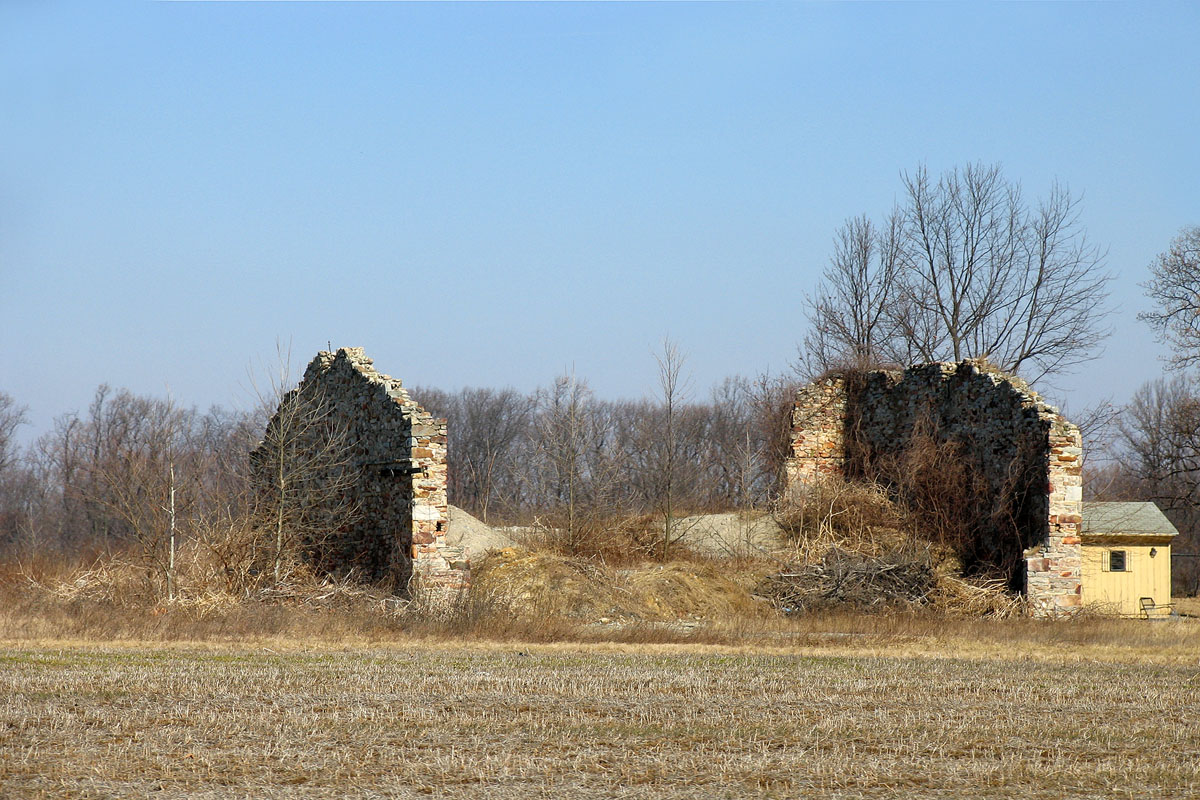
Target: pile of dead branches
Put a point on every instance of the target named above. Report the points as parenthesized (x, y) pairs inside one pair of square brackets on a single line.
[(843, 579)]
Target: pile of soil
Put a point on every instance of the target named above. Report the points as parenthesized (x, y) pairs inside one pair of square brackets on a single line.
[(542, 584), (735, 534), (469, 532), (729, 535)]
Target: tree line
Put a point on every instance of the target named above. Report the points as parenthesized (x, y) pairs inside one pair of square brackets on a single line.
[(132, 470), (964, 266), (566, 459)]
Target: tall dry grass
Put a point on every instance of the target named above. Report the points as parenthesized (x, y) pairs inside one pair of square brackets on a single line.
[(333, 615)]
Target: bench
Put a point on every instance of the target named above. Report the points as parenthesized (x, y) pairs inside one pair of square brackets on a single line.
[(1148, 607)]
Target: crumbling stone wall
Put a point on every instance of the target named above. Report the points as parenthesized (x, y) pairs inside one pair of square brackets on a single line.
[(1024, 456), (392, 470)]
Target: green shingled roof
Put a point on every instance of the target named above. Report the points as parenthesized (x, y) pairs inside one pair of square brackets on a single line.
[(1127, 518)]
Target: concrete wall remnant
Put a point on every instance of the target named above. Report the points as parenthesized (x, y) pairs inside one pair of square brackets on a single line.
[(1023, 455), (392, 470)]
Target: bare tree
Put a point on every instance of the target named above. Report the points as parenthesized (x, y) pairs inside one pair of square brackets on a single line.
[(121, 470), (964, 269), (1099, 427), (16, 484), (493, 421), (486, 428), (302, 468), (1160, 459), (769, 400), (1176, 288), (732, 457), (670, 462), (1160, 432), (850, 315), (12, 416), (571, 473)]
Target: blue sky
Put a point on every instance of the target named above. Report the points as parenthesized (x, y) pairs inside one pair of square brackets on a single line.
[(491, 193)]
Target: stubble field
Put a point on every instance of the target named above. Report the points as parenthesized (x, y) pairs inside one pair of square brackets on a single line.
[(904, 717)]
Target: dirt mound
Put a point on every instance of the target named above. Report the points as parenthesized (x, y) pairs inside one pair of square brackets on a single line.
[(704, 591), (543, 584), (479, 538), (728, 535)]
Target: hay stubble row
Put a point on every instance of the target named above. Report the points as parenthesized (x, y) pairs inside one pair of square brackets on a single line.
[(97, 721)]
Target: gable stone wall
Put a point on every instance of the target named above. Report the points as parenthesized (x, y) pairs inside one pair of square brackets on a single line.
[(1024, 456), (393, 472)]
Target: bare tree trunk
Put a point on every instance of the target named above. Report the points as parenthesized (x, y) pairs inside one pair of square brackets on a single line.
[(171, 556), (673, 389)]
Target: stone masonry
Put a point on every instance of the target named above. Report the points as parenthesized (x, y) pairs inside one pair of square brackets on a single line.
[(1025, 454), (396, 457)]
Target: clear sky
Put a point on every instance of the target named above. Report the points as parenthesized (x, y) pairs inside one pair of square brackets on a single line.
[(491, 193)]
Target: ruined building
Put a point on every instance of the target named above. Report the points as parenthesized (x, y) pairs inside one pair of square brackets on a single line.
[(355, 440), (1022, 456)]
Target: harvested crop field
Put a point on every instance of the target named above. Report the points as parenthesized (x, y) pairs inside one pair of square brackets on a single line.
[(420, 719)]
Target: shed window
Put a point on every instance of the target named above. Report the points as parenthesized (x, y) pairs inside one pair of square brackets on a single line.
[(1116, 561)]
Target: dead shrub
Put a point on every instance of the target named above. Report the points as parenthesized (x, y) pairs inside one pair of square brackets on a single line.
[(111, 580), (951, 502), (976, 597), (846, 515), (945, 499), (924, 508), (614, 540), (892, 581)]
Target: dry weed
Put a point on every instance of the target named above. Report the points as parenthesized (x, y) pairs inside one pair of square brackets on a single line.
[(842, 515), (893, 547)]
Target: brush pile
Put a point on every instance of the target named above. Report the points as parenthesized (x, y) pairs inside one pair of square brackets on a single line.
[(845, 579)]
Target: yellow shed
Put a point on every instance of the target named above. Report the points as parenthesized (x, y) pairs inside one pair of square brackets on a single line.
[(1127, 559)]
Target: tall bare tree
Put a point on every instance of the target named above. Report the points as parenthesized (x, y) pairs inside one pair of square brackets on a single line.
[(1160, 459), (490, 424), (670, 463), (1175, 286), (12, 416), (16, 483), (303, 469), (850, 316), (571, 474), (965, 268)]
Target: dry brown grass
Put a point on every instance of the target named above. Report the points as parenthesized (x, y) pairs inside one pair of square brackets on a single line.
[(556, 721), (524, 583), (350, 694), (844, 515), (354, 696), (1187, 605)]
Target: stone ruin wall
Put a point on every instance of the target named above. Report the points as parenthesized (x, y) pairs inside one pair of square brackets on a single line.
[(1026, 452), (397, 457)]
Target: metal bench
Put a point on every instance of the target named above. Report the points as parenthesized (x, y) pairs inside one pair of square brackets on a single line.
[(1149, 606)]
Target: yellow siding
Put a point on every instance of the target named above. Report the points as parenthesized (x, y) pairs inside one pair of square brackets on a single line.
[(1121, 592)]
